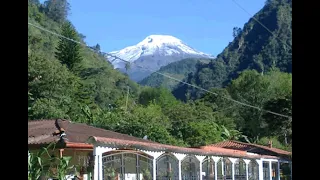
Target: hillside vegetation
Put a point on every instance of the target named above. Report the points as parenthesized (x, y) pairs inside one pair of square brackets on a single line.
[(71, 81), (178, 70), (54, 90), (253, 47)]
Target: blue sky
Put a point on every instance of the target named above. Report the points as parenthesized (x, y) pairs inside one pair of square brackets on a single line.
[(205, 25)]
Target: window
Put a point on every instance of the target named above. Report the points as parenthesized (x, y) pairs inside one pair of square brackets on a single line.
[(240, 170), (122, 165), (208, 169), (167, 167), (266, 171), (220, 172), (253, 170), (227, 168), (275, 171), (190, 168), (224, 168)]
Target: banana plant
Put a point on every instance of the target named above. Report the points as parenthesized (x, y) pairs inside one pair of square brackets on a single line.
[(60, 167), (37, 163), (42, 163), (232, 134)]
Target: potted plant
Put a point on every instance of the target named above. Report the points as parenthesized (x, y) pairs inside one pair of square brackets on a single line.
[(110, 173), (171, 175), (146, 175)]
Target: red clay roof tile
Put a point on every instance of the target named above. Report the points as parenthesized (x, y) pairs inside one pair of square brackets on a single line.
[(42, 132), (75, 132), (247, 147)]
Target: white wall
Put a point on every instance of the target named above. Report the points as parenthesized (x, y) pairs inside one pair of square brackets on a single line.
[(99, 150)]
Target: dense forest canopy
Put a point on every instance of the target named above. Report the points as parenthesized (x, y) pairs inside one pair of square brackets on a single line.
[(72, 81)]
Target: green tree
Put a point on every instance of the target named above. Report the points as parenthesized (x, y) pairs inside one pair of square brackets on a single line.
[(180, 116), (202, 133), (52, 87), (97, 48), (251, 88), (68, 52), (160, 96), (191, 123), (258, 90), (236, 32), (277, 125), (140, 122), (57, 10)]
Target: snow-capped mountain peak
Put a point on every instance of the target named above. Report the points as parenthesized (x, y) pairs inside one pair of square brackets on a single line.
[(166, 44), (155, 51), (159, 40)]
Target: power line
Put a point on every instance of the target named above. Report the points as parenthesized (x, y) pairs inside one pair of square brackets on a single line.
[(183, 82), (234, 1)]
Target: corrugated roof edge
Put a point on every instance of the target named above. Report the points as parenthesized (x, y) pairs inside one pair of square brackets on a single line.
[(115, 143), (273, 149)]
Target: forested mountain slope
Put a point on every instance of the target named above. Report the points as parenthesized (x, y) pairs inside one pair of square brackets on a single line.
[(55, 91), (253, 47), (177, 70)]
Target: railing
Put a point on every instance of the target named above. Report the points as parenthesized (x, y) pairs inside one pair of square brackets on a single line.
[(224, 177), (240, 177), (190, 177)]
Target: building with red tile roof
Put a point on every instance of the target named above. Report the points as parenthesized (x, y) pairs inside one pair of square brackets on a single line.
[(101, 146)]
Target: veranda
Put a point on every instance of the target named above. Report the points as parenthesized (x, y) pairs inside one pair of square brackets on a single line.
[(107, 155), (163, 162)]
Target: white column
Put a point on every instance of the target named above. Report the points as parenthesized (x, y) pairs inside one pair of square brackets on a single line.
[(222, 167), (278, 170), (215, 159), (270, 170), (100, 166), (200, 158), (154, 173), (200, 170), (247, 161), (215, 170), (233, 160), (180, 158), (260, 163), (180, 174), (96, 169), (97, 152), (232, 171)]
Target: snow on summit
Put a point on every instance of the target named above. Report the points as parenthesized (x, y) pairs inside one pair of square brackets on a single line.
[(166, 44), (154, 52)]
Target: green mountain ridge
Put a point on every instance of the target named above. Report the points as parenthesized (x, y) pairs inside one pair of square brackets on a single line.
[(177, 70), (252, 48)]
